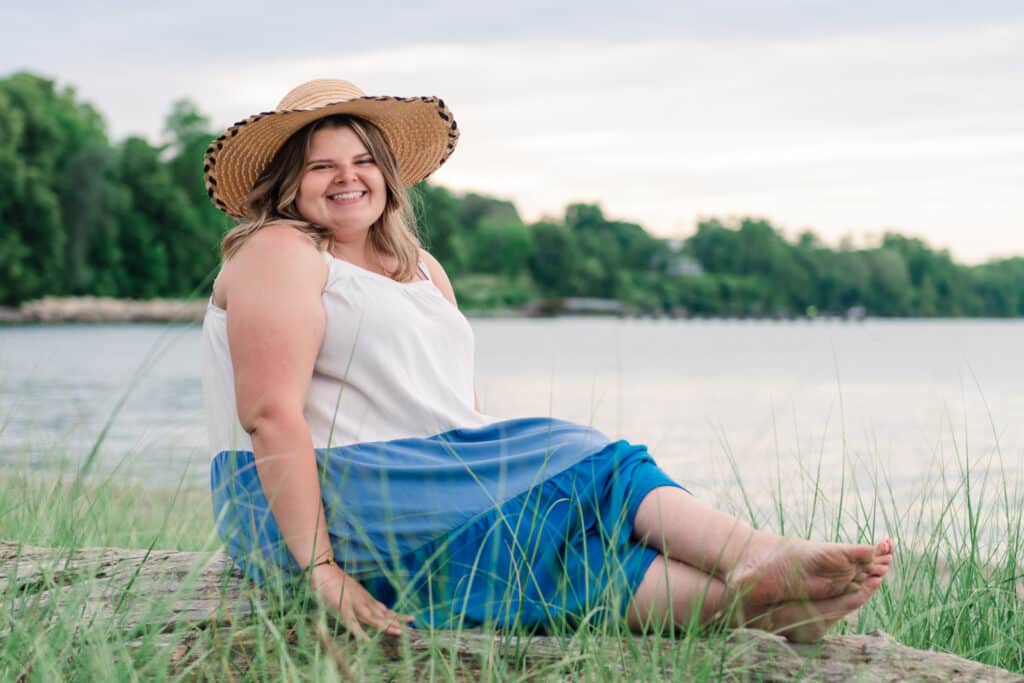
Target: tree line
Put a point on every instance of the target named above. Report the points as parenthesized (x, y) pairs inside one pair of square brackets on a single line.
[(82, 215)]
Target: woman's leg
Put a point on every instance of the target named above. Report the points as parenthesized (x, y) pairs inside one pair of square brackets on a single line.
[(673, 594), (669, 595), (765, 567)]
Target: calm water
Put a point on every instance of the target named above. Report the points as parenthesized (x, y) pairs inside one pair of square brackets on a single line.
[(910, 399)]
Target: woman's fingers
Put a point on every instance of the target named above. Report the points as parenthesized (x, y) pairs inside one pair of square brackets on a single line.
[(356, 606), (378, 615), (356, 629), (392, 628), (396, 623), (390, 621), (387, 621)]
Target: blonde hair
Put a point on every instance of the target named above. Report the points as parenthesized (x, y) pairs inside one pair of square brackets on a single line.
[(272, 198)]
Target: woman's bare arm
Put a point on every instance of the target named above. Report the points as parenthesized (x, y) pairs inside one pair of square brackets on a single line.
[(272, 291)]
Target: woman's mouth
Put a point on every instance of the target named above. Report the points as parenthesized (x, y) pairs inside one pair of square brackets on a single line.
[(347, 197)]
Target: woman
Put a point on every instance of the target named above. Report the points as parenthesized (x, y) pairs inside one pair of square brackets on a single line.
[(339, 391)]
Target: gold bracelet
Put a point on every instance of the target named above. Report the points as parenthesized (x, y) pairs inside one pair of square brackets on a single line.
[(330, 560)]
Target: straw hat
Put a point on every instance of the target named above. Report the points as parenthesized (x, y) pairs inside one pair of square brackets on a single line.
[(420, 130)]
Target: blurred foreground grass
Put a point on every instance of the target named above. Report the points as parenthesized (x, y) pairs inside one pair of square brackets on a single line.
[(956, 587)]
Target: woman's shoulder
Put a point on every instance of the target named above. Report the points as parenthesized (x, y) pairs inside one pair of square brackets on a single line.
[(276, 251), (277, 244), (282, 235), (437, 274), (432, 264)]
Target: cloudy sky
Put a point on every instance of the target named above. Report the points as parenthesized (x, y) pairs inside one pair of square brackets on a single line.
[(847, 118)]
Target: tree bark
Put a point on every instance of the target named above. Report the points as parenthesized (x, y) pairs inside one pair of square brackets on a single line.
[(168, 590)]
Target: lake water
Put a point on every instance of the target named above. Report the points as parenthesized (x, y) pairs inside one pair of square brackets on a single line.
[(893, 404)]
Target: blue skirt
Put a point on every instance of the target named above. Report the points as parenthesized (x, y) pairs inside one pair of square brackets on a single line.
[(522, 524)]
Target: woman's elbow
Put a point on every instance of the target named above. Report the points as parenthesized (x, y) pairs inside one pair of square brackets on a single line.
[(270, 419)]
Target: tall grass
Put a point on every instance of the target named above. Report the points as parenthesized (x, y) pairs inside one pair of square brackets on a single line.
[(956, 586)]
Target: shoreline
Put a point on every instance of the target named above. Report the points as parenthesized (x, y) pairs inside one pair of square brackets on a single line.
[(97, 309)]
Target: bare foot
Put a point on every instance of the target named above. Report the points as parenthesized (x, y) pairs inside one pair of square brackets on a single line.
[(806, 621), (806, 570), (804, 588)]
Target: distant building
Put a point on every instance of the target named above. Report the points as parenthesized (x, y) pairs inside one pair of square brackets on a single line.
[(574, 305), (683, 266)]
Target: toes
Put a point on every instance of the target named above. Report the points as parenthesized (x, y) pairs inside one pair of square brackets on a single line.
[(878, 568), (882, 560), (861, 554), (811, 571), (865, 554)]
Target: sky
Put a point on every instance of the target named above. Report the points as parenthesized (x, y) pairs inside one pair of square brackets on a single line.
[(849, 119)]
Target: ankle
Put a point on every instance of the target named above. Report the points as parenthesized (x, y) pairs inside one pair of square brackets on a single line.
[(763, 544)]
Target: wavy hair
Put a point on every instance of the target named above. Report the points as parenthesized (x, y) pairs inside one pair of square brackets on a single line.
[(272, 198)]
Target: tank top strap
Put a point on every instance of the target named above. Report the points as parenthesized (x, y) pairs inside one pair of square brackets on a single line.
[(424, 272)]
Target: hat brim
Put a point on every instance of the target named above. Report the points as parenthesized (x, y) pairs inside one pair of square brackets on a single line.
[(421, 131)]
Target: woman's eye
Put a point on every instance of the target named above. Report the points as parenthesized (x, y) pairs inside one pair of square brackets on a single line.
[(364, 162)]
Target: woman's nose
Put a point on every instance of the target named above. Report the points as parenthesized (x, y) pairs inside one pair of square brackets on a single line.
[(345, 173)]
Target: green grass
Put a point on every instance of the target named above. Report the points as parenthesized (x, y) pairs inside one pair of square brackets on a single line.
[(956, 587), (53, 511)]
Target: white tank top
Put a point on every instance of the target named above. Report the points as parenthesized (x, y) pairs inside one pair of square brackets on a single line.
[(396, 361)]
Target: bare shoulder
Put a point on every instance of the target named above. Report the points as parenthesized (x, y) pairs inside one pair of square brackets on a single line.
[(275, 254), (281, 240), (438, 275)]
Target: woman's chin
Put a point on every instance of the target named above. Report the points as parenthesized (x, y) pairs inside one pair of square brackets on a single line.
[(337, 221)]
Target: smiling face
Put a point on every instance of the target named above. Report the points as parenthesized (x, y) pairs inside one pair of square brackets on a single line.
[(342, 188)]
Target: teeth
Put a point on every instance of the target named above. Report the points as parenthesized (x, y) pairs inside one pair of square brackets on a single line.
[(346, 195)]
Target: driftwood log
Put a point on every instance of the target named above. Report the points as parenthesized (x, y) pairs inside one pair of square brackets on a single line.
[(181, 591)]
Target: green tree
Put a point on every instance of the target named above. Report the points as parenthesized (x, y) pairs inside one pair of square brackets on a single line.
[(438, 217), (940, 286), (890, 292), (554, 261), (599, 269), (86, 205), (999, 287), (478, 210), (43, 129), (716, 247), (501, 249), (159, 234), (754, 248), (78, 215), (18, 278), (189, 133)]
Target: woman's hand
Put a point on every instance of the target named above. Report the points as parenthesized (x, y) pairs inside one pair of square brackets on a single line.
[(354, 603)]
